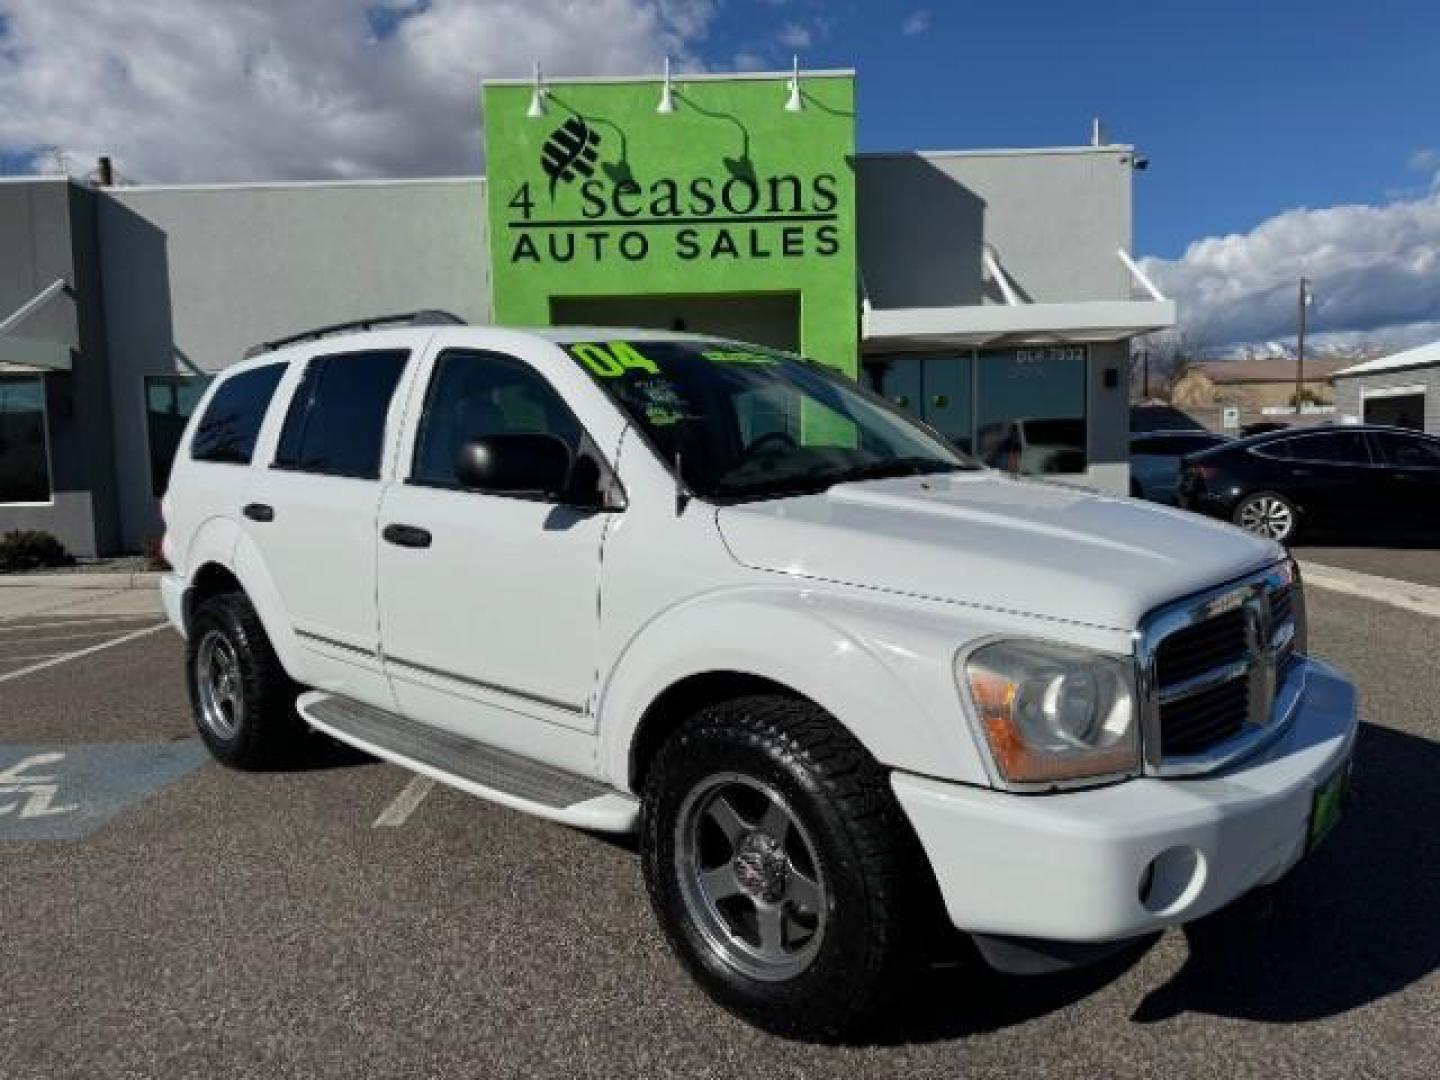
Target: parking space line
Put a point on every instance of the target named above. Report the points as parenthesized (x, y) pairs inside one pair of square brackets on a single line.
[(78, 653), (60, 637), (70, 622), (404, 804), (1406, 595)]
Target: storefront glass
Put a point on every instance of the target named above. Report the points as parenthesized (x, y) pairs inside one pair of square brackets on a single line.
[(24, 459), (1031, 409), (1022, 410)]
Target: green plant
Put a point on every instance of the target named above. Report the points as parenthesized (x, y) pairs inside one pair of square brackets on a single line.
[(30, 549)]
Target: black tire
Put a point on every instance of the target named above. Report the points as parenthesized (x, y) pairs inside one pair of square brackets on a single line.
[(1252, 508), (878, 895), (265, 730)]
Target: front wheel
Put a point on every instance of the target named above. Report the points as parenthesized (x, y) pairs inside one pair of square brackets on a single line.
[(1267, 514), (780, 866)]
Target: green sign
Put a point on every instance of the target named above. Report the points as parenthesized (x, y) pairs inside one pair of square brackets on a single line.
[(729, 196)]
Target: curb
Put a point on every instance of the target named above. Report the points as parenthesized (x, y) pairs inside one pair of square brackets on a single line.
[(139, 579), (1406, 595)]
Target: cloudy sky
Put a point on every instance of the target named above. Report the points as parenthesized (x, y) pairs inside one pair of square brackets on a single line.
[(1285, 138)]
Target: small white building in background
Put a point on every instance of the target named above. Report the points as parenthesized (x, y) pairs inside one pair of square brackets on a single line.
[(1402, 389)]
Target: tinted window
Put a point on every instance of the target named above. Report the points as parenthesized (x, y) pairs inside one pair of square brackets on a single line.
[(231, 423), (24, 463), (1341, 447), (1174, 445), (336, 423), (475, 395), (169, 401), (1406, 450)]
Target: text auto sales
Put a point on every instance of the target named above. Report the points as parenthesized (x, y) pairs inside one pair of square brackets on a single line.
[(780, 217)]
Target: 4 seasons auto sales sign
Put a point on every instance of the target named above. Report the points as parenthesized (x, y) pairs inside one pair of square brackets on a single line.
[(730, 194)]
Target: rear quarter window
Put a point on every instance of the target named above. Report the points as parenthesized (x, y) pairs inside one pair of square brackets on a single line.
[(227, 431)]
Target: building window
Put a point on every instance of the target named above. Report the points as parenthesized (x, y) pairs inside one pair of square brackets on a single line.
[(1031, 409), (1022, 410), (24, 456), (169, 401)]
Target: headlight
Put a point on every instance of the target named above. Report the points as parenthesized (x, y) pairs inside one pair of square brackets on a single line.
[(1053, 712)]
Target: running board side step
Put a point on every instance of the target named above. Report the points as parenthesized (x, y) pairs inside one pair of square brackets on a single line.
[(518, 782)]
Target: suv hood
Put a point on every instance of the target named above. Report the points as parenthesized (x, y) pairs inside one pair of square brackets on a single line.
[(985, 539)]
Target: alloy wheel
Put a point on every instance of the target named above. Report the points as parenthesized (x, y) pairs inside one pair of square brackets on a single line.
[(220, 690), (1267, 516), (749, 877)]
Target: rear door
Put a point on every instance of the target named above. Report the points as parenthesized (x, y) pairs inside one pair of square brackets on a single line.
[(1410, 477), (311, 516), (1328, 474)]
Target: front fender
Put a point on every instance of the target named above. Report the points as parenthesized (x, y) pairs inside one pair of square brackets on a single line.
[(881, 671)]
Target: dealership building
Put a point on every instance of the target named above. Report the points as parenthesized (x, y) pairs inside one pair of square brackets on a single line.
[(989, 292)]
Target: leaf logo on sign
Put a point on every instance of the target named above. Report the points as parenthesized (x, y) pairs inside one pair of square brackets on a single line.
[(569, 151)]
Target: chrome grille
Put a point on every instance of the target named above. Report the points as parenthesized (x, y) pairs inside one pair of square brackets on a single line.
[(1213, 666)]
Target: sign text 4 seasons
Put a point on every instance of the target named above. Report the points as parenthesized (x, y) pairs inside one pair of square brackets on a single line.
[(702, 218)]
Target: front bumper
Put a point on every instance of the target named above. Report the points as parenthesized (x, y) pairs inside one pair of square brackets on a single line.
[(1071, 866)]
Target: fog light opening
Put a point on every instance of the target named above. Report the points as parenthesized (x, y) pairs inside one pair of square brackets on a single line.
[(1172, 880)]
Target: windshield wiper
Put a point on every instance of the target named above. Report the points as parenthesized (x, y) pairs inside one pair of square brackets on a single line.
[(894, 467)]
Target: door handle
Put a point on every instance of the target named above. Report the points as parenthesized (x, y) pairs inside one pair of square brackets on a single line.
[(411, 536), (259, 512)]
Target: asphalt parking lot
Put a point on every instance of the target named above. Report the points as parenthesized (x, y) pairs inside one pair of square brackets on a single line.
[(165, 917)]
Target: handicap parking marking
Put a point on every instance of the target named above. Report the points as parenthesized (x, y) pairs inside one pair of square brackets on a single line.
[(51, 792)]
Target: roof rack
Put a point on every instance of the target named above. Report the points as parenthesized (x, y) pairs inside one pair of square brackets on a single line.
[(424, 317)]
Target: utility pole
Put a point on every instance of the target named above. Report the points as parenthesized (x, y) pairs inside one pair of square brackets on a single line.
[(1145, 360), (1300, 346)]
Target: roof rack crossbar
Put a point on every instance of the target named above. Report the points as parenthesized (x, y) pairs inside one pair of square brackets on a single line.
[(424, 317)]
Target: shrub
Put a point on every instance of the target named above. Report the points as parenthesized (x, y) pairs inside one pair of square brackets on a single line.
[(30, 549)]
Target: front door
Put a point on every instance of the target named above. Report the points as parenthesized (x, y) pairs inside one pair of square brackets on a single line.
[(1409, 477), (489, 602)]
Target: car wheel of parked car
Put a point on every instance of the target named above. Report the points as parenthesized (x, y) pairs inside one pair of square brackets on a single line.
[(243, 702), (781, 867), (1267, 514)]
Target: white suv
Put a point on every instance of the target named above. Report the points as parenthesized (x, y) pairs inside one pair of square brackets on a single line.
[(837, 675)]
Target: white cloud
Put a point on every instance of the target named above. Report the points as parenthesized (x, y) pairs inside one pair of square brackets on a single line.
[(794, 36), (270, 89), (1375, 273), (917, 22)]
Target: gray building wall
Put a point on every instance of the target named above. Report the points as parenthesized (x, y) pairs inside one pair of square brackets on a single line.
[(48, 232), (1053, 217), (1349, 392), (195, 275), (1054, 220)]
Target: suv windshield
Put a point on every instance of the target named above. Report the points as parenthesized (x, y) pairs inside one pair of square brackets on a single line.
[(743, 422)]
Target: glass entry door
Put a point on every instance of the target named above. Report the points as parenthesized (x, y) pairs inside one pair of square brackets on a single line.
[(936, 389)]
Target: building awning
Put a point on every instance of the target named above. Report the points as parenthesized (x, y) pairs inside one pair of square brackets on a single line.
[(1012, 324), (20, 355), (1018, 321)]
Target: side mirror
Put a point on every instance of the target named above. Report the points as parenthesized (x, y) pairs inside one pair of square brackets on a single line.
[(519, 462)]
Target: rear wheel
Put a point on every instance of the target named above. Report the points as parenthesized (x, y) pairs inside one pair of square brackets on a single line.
[(1267, 514), (780, 866), (242, 700)]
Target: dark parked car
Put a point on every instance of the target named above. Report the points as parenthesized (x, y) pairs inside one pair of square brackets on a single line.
[(1155, 460), (1373, 480)]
